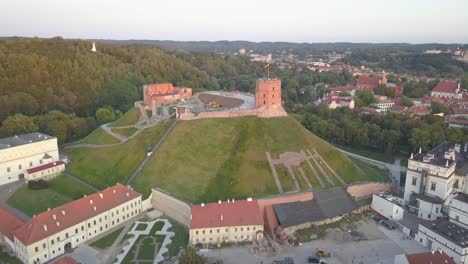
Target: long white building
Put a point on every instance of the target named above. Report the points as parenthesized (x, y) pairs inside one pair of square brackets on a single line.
[(23, 152), (57, 231)]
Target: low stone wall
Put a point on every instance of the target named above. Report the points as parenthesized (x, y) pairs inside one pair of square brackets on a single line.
[(170, 206), (261, 112), (366, 189)]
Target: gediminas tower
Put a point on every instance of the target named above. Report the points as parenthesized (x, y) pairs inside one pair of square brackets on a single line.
[(268, 93)]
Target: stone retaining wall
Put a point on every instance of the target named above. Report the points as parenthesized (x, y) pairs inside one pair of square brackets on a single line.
[(170, 206), (366, 189)]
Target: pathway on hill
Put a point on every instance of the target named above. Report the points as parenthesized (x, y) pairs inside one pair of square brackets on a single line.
[(319, 166), (329, 167), (81, 181), (395, 169), (153, 150)]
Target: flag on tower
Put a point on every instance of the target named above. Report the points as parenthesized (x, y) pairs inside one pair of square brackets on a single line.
[(267, 67)]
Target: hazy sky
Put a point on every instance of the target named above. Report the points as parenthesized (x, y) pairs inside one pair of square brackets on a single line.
[(414, 21)]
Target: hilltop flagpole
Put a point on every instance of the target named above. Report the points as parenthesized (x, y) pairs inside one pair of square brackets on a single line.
[(267, 67)]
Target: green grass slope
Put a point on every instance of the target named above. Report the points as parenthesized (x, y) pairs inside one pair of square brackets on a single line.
[(99, 137), (210, 159), (106, 166), (128, 119)]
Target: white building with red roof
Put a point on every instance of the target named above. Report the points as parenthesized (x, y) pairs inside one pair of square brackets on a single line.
[(447, 89), (56, 231), (226, 221), (45, 172), (336, 102), (22, 152), (8, 222)]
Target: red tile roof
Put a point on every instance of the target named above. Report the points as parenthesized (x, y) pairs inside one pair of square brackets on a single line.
[(346, 88), (45, 166), (66, 260), (397, 107), (420, 110), (234, 213), (73, 213), (446, 87), (9, 222), (368, 80), (458, 121), (429, 257)]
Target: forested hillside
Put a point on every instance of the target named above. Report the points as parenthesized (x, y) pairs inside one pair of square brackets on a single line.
[(41, 75)]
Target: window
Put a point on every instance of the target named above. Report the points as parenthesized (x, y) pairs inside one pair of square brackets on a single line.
[(414, 181), (211, 231), (94, 222), (429, 216), (40, 161), (58, 239), (242, 229), (203, 231), (36, 249), (457, 217), (19, 167), (196, 232), (30, 164), (52, 241), (66, 235), (82, 228), (89, 224), (437, 210), (217, 231), (235, 229), (8, 169), (433, 186), (76, 230), (227, 230)]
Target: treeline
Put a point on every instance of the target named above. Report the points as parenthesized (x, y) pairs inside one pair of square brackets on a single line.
[(389, 133), (416, 63)]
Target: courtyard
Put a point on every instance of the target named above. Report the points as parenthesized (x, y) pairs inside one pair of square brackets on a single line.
[(377, 245)]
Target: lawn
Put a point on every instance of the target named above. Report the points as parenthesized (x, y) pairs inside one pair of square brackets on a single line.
[(33, 202), (179, 240), (61, 190), (128, 119), (216, 159), (285, 178), (107, 240), (310, 175), (373, 173), (141, 227), (147, 249), (6, 258), (98, 136), (106, 166), (126, 132)]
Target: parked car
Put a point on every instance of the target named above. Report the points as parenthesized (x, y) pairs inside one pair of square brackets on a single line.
[(286, 260), (315, 260), (149, 151)]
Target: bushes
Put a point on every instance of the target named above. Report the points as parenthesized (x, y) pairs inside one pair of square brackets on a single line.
[(38, 185)]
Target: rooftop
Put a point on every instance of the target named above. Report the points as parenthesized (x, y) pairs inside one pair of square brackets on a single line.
[(429, 199), (25, 139), (226, 213), (45, 166), (9, 222), (450, 231), (60, 218), (447, 87), (462, 197), (368, 80), (437, 156), (435, 257)]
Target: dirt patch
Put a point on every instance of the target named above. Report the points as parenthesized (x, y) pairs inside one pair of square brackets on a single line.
[(224, 101)]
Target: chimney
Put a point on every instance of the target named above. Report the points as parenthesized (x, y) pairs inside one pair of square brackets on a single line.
[(84, 195), (91, 201), (102, 195), (113, 191), (127, 194), (63, 212), (249, 199), (233, 200), (221, 217), (58, 223), (432, 251), (54, 216), (94, 208), (45, 227), (446, 163), (48, 209), (219, 201), (229, 201), (420, 150), (411, 155), (202, 205)]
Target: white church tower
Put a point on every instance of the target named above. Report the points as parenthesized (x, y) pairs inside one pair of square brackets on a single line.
[(93, 49)]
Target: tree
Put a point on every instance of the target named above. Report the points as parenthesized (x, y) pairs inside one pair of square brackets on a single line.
[(364, 98), (420, 138), (406, 101), (191, 256), (18, 124), (438, 108), (105, 115)]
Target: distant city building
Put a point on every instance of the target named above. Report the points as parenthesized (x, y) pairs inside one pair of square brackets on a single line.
[(369, 83), (268, 93), (458, 122), (337, 102), (93, 49), (242, 52), (350, 89), (226, 221), (447, 89), (57, 231), (384, 106), (397, 109), (25, 152), (159, 94), (418, 111), (433, 51)]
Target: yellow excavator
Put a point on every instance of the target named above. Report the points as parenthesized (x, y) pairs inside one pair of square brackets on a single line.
[(213, 104)]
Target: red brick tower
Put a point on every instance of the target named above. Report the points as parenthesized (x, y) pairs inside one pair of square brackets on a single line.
[(268, 93)]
